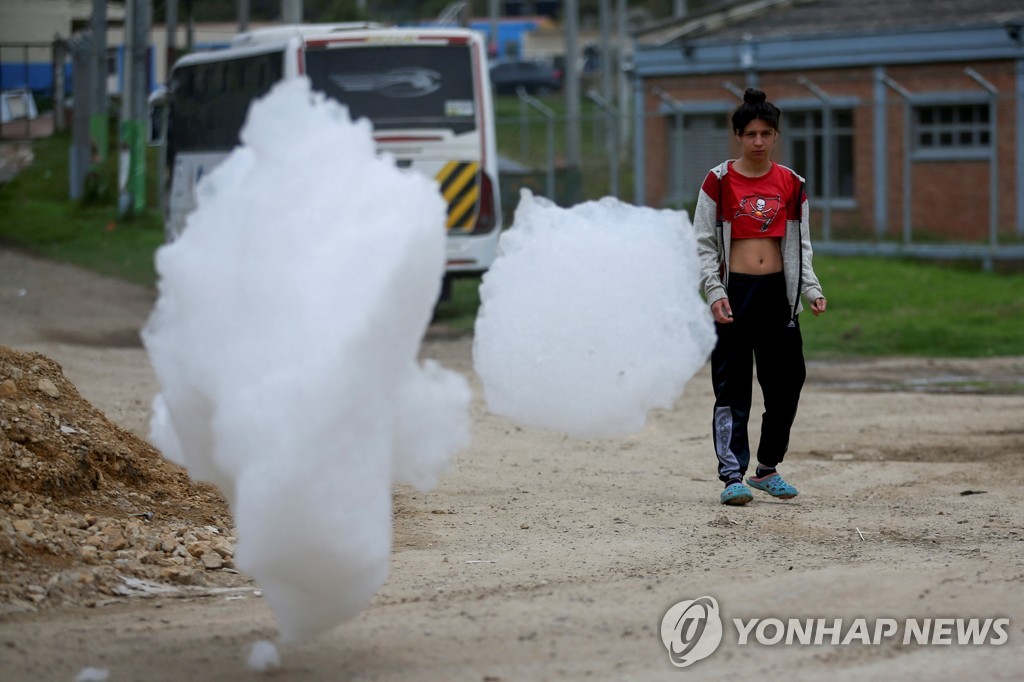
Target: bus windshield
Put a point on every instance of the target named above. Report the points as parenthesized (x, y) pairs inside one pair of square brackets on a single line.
[(399, 86)]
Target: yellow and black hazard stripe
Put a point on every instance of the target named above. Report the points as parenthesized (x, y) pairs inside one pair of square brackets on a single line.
[(460, 187)]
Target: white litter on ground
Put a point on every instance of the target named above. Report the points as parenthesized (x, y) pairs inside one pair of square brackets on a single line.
[(92, 675), (263, 656), (285, 341), (591, 316)]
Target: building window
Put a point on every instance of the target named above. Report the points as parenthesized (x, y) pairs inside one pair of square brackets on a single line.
[(948, 127), (805, 151), (700, 144)]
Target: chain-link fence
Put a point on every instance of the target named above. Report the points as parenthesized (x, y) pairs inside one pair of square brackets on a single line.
[(34, 80), (532, 142), (950, 189), (893, 175)]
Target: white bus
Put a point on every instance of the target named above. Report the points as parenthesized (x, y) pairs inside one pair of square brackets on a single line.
[(426, 91)]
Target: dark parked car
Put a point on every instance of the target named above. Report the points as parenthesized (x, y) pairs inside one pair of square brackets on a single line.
[(536, 77)]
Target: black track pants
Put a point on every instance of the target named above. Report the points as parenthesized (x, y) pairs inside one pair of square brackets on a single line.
[(763, 330)]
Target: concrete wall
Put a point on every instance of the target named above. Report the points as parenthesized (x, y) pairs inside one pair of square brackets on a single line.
[(25, 21)]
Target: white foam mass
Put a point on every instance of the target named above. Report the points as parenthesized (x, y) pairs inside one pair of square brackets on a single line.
[(285, 340), (591, 316)]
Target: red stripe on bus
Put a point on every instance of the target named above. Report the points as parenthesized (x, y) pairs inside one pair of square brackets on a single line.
[(408, 138), (451, 40), (324, 42)]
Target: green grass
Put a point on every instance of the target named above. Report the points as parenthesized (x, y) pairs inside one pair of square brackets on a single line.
[(880, 307), (459, 312), (876, 306), (895, 307), (39, 218)]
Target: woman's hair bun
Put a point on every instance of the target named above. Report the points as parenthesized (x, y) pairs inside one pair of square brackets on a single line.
[(755, 106), (753, 96)]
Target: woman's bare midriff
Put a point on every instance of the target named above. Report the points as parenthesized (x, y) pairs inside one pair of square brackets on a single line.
[(758, 256)]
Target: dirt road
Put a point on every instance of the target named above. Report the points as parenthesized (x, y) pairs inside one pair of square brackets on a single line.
[(541, 557)]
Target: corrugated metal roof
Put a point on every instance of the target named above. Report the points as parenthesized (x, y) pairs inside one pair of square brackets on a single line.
[(775, 19)]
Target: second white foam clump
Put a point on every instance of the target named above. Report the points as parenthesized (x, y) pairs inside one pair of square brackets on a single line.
[(591, 316)]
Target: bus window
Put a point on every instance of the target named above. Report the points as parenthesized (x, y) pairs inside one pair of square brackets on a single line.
[(210, 119), (412, 86)]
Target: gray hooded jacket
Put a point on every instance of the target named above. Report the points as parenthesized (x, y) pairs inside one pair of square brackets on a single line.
[(713, 242)]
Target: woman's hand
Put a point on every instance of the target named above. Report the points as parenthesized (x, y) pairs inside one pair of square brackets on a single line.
[(722, 311), (818, 307)]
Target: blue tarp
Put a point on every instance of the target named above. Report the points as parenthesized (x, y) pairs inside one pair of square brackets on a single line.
[(36, 77)]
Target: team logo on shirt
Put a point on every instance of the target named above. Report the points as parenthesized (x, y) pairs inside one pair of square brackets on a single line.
[(759, 208)]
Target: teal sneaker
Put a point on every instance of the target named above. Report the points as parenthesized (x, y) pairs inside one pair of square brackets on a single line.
[(736, 494), (774, 486)]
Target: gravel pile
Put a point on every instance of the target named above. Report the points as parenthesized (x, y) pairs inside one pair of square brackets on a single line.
[(90, 514)]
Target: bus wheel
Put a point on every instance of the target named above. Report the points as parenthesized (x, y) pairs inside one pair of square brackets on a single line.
[(446, 289)]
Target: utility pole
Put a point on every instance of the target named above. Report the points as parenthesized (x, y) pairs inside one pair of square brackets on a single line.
[(132, 175), (604, 21), (60, 56), (171, 19), (291, 11), (190, 27), (243, 16), (99, 140), (571, 19), (83, 63), (611, 131), (493, 48), (625, 106)]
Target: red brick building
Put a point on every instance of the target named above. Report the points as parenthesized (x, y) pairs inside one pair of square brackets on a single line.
[(906, 117)]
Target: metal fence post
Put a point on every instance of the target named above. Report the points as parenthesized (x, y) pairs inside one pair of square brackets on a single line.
[(907, 147), (132, 199), (611, 139), (59, 57), (550, 116), (993, 175), (80, 156), (677, 111), (826, 176)]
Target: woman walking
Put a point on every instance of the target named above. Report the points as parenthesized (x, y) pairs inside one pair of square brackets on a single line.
[(754, 244)]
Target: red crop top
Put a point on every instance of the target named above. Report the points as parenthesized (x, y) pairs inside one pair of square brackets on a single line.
[(759, 207)]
